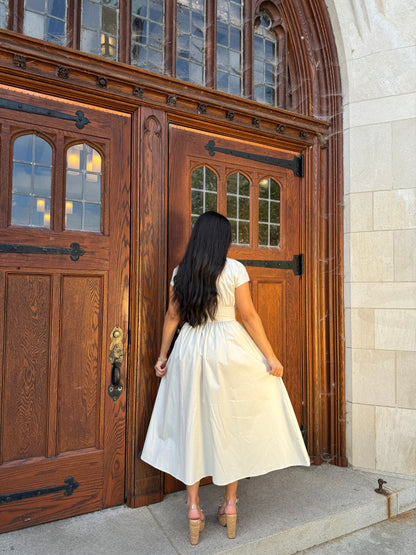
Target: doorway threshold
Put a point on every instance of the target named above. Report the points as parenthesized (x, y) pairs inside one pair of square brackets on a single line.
[(282, 512)]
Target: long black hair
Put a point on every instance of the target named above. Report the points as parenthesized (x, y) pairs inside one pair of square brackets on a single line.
[(195, 283)]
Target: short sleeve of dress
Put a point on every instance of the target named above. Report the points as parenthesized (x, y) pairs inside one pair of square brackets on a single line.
[(175, 271), (241, 275)]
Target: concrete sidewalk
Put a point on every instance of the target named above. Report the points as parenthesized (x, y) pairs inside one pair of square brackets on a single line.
[(280, 513)]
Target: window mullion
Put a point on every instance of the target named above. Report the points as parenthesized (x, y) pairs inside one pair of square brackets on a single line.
[(124, 35), (170, 38), (210, 45), (249, 13)]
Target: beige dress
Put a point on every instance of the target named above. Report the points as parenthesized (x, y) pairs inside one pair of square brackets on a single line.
[(218, 411)]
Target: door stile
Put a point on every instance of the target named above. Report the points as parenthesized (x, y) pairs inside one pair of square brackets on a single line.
[(2, 325), (52, 450)]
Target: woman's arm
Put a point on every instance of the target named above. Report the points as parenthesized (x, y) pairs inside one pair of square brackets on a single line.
[(254, 326), (169, 327)]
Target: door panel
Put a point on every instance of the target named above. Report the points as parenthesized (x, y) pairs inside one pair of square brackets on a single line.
[(262, 202), (57, 419)]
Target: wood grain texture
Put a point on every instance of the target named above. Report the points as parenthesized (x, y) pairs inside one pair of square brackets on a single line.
[(276, 293), (61, 313), (26, 366), (150, 296), (79, 363)]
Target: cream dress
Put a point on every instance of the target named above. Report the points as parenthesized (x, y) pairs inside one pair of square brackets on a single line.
[(218, 411)]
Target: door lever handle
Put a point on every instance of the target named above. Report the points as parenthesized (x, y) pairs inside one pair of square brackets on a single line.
[(116, 357)]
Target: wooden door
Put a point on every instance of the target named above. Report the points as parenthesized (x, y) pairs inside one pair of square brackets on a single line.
[(64, 280), (262, 200)]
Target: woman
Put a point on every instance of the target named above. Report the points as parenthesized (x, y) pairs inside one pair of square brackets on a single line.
[(222, 409)]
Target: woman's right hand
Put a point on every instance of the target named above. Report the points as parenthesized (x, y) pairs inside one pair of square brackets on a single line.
[(160, 368), (275, 367)]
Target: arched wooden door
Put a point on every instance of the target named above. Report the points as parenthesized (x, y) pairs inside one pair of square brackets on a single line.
[(259, 190), (64, 281)]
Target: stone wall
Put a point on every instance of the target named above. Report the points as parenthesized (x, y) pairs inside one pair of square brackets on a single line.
[(376, 47)]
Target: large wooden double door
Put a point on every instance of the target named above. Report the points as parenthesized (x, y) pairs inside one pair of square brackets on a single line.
[(64, 288), (247, 183)]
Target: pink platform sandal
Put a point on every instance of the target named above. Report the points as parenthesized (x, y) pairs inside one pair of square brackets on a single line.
[(196, 523), (227, 516)]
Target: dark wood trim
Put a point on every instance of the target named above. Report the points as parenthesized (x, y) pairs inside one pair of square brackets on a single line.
[(124, 32), (249, 11), (211, 45), (151, 282), (170, 38)]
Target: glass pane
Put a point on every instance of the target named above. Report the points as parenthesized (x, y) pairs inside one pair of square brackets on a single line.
[(21, 210), (83, 188), (243, 233), (45, 19), (22, 178), (42, 178), (238, 207), (263, 211), (32, 181), (197, 202), (43, 152), (4, 13), (229, 47), (190, 41), (274, 236), (269, 213), (265, 61), (231, 206), (99, 28), (147, 34), (203, 190)]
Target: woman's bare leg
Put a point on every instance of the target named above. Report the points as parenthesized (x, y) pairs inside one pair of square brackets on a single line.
[(194, 512)]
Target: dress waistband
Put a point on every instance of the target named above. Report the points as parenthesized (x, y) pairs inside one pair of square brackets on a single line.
[(224, 314)]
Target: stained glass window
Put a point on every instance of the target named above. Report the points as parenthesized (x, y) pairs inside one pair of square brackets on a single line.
[(147, 34), (190, 41), (99, 28), (238, 207), (269, 213), (32, 179), (229, 46), (265, 61), (83, 189), (45, 19), (204, 191)]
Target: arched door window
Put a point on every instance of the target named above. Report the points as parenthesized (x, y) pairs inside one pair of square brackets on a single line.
[(83, 188), (32, 180), (269, 213), (238, 207), (203, 191)]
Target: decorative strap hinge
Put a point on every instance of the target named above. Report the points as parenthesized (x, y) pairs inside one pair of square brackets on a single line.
[(296, 264)]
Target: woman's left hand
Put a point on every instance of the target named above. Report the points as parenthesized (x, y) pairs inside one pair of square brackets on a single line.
[(161, 368)]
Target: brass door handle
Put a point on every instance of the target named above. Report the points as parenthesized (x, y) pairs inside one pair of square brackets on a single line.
[(116, 358)]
